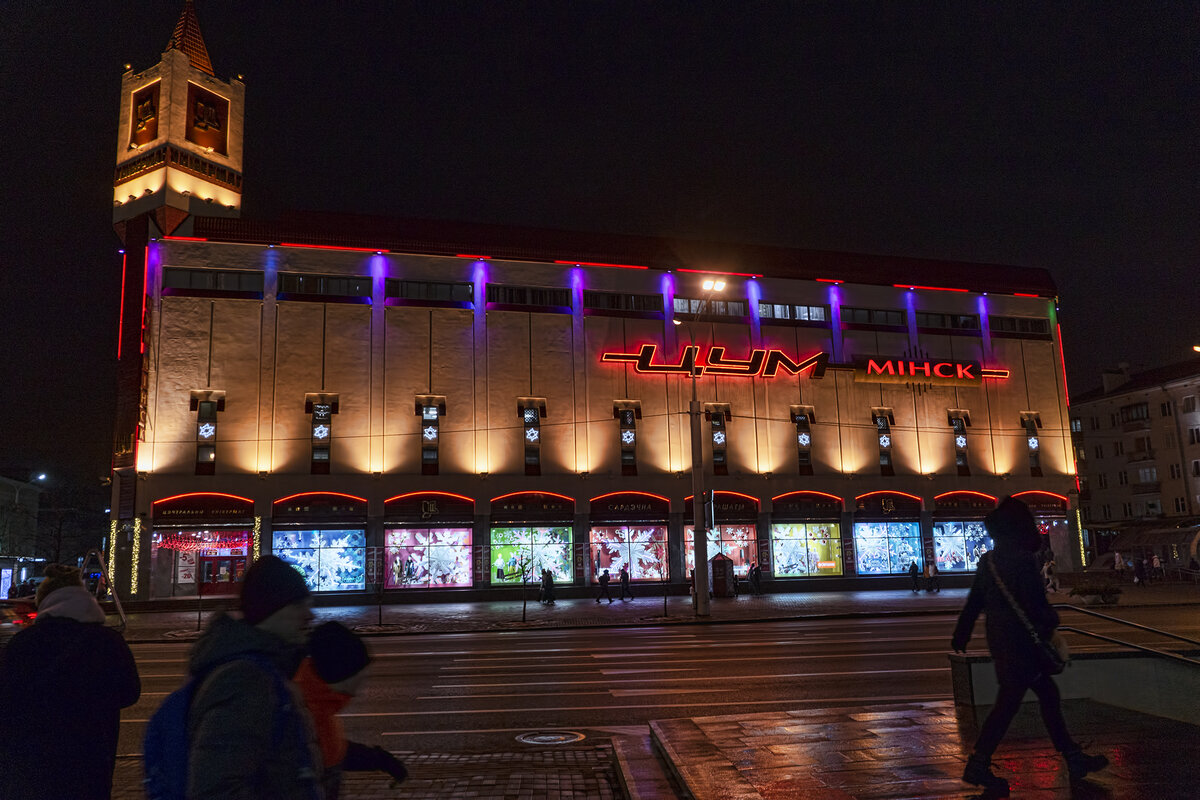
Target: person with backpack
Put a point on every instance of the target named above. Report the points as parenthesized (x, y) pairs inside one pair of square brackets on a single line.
[(63, 683), (603, 587), (329, 679), (240, 722)]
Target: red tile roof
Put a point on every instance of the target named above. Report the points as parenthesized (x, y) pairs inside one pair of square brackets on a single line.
[(188, 40)]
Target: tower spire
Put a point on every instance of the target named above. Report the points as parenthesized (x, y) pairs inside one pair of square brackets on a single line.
[(187, 39)]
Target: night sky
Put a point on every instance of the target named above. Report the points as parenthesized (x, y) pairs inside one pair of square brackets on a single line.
[(1061, 135)]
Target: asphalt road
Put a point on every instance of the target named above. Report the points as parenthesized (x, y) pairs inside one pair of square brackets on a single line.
[(456, 693)]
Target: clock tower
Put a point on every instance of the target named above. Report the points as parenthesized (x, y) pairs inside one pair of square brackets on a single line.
[(179, 138)]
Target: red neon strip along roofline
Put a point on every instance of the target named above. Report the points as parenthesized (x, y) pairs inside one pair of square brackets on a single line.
[(1024, 294), (202, 494), (306, 494), (809, 491), (599, 264), (1063, 361), (121, 318), (723, 491), (964, 491), (830, 280), (718, 272), (145, 291), (332, 247), (930, 288), (414, 494), (642, 494), (184, 238), (473, 258), (1048, 494), (891, 491), (552, 494)]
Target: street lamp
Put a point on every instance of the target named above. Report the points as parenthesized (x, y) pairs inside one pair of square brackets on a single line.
[(699, 533)]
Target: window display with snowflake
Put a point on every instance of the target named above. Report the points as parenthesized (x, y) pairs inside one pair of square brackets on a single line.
[(887, 548), (804, 549), (640, 548), (428, 558), (958, 545), (531, 550), (739, 542), (329, 560)]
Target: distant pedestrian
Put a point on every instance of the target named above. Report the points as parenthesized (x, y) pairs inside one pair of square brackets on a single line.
[(914, 573), (329, 679), (755, 579), (1139, 572), (933, 582), (63, 683), (1049, 579), (1118, 563), (1157, 568), (1008, 580), (547, 590), (624, 575), (246, 697), (604, 587)]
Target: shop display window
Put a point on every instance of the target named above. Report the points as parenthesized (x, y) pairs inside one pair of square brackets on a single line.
[(958, 545), (535, 548), (640, 548), (428, 557), (887, 548), (738, 542), (803, 549), (330, 561)]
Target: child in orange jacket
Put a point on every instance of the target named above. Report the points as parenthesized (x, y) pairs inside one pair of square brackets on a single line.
[(329, 679)]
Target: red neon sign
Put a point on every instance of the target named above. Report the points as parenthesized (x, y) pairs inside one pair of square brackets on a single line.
[(320, 494), (599, 264), (807, 493), (331, 247), (202, 494), (718, 272), (440, 494), (764, 363), (906, 370)]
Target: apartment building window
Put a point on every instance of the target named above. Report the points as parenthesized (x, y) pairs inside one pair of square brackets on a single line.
[(1080, 453), (1193, 435), (628, 412), (341, 288), (884, 419), (431, 409), (1147, 474), (1095, 423), (531, 411), (1076, 425), (1180, 505), (959, 420), (718, 417), (206, 408), (1127, 509), (1106, 510), (1175, 471), (1189, 404), (530, 297), (1102, 480), (701, 306), (1020, 327), (802, 418), (622, 302), (322, 433), (433, 293), (1122, 478), (1099, 451), (1118, 448), (1196, 469), (952, 322), (875, 317), (1031, 421), (1153, 508), (1135, 412), (1164, 408), (793, 313)]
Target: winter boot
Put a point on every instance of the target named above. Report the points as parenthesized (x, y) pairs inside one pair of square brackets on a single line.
[(979, 772), (1081, 764)]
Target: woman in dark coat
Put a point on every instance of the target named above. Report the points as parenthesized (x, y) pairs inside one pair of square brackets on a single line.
[(63, 683), (1013, 650)]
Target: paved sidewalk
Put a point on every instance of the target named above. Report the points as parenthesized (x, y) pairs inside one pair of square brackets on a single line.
[(493, 615)]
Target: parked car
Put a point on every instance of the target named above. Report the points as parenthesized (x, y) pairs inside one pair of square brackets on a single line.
[(15, 615)]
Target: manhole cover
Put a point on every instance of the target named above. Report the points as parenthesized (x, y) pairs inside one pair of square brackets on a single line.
[(550, 737)]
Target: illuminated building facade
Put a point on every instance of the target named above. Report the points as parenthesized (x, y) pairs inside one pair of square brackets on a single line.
[(432, 406)]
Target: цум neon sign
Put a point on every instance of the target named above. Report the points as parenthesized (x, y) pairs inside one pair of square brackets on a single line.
[(764, 363)]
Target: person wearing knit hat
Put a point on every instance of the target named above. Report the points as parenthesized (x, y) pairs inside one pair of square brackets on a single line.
[(66, 661), (329, 679), (240, 664)]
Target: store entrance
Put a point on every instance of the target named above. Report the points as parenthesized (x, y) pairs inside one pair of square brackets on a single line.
[(221, 575)]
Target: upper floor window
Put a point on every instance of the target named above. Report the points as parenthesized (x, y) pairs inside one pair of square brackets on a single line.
[(346, 287), (458, 294), (1189, 404), (1034, 327), (793, 312), (701, 306), (1135, 412), (176, 280), (1076, 425), (622, 301), (543, 297), (873, 316), (954, 322)]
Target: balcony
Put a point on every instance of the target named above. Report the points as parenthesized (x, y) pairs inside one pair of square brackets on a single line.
[(1136, 425), (1151, 487), (1141, 455)]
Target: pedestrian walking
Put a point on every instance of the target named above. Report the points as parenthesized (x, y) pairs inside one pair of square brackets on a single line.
[(249, 736), (1118, 563), (1049, 579), (933, 582), (1139, 572), (547, 590), (624, 575), (755, 579), (1007, 589), (914, 573), (63, 683), (1156, 568), (604, 587), (329, 679)]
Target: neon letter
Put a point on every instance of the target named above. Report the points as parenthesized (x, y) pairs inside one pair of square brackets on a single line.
[(937, 369), (776, 359), (719, 365), (964, 371), (888, 367), (914, 368)]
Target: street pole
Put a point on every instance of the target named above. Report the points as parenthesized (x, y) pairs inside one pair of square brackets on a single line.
[(700, 535)]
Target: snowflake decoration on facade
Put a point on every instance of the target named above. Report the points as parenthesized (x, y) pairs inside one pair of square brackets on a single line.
[(1033, 443), (960, 442), (531, 434), (206, 430), (718, 437), (804, 439), (430, 433), (885, 441), (320, 431), (628, 437)]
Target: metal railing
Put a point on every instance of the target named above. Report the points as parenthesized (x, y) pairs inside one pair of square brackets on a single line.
[(1111, 640)]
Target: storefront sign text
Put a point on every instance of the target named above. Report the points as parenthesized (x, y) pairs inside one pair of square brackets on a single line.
[(761, 363)]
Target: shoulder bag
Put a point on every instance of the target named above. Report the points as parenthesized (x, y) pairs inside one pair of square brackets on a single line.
[(1053, 654)]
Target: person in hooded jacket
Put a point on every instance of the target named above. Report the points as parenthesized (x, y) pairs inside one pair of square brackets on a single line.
[(63, 683), (1014, 653), (250, 735)]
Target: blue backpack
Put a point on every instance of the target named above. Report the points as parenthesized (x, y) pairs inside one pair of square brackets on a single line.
[(165, 748)]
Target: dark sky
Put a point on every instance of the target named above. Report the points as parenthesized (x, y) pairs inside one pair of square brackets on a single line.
[(1063, 135)]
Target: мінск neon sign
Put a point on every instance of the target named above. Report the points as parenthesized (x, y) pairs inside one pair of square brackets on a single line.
[(764, 363), (930, 371)]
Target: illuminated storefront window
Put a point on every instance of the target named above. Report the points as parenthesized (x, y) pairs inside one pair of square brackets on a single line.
[(531, 550), (428, 558), (329, 560), (804, 549), (640, 548), (887, 548), (738, 542), (958, 545)]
